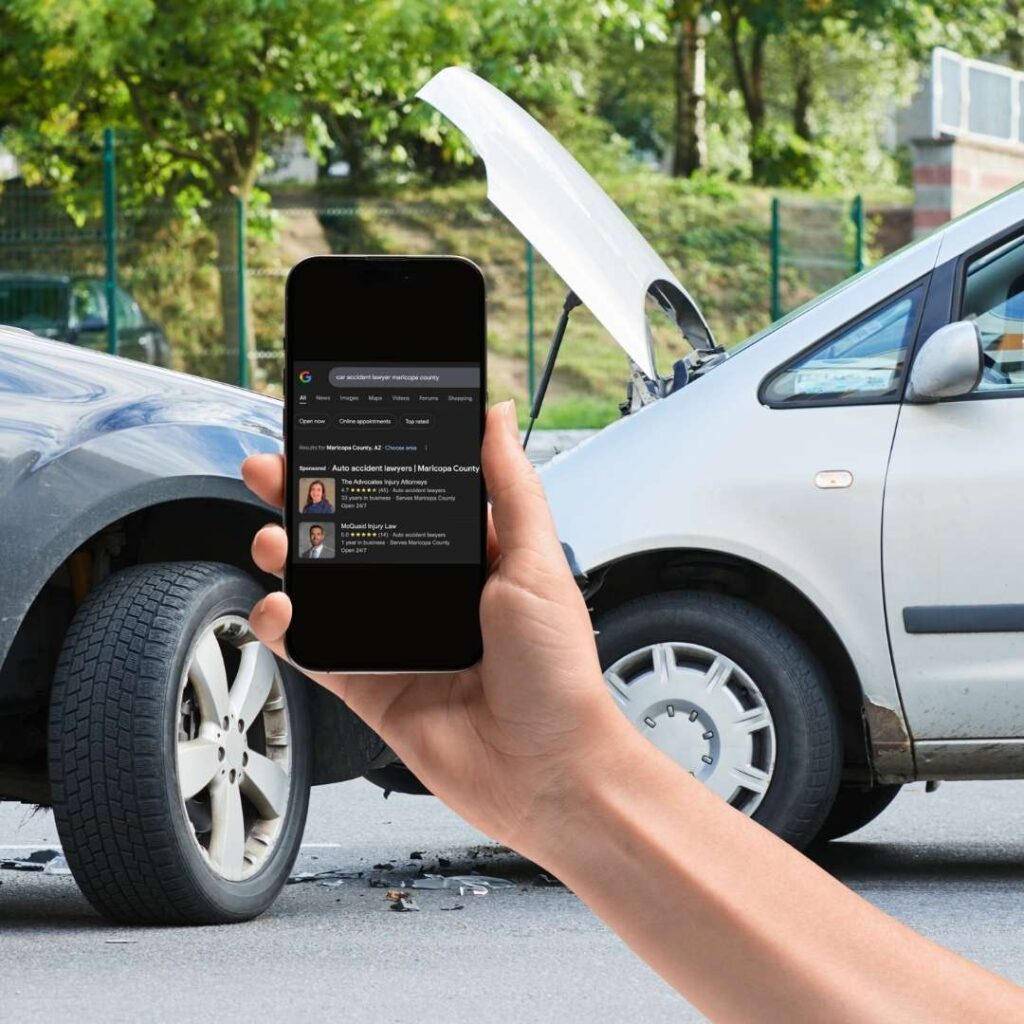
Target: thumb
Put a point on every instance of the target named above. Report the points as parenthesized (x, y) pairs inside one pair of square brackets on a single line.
[(519, 508)]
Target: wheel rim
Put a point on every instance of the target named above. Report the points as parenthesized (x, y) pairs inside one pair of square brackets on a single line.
[(233, 761), (705, 712)]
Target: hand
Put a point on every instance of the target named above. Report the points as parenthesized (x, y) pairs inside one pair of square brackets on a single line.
[(501, 742)]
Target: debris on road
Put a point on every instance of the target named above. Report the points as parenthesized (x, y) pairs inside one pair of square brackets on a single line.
[(332, 874), (495, 850), (386, 866), (406, 903), (119, 942), (395, 894), (416, 855), (475, 885), (457, 906), (57, 866), (35, 861), (546, 881)]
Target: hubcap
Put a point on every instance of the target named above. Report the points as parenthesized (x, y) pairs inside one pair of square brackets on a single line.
[(233, 748), (705, 712)]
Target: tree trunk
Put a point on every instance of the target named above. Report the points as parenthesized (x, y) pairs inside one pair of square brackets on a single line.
[(691, 153), (802, 102), (223, 224), (751, 83)]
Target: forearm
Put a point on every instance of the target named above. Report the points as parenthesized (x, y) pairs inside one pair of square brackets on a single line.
[(735, 919)]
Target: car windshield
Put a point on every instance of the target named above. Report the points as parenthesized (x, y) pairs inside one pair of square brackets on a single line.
[(33, 305)]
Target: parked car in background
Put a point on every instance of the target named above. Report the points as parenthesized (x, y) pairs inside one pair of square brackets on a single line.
[(74, 309)]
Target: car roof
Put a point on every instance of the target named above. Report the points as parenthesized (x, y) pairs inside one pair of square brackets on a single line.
[(32, 275)]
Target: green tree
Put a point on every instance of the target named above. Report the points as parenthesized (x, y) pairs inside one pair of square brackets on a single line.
[(199, 87)]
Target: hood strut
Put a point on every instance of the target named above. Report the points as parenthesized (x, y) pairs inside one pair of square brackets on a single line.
[(571, 302)]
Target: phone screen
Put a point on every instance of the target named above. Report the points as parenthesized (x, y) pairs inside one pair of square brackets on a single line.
[(385, 507)]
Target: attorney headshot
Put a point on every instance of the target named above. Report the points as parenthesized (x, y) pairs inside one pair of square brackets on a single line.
[(316, 540), (319, 496)]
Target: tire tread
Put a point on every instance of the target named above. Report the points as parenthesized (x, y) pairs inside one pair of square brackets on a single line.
[(107, 770)]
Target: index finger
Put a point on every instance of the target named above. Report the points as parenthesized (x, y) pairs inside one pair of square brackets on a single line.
[(264, 476)]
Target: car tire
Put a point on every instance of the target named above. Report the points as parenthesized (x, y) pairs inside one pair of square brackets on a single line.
[(733, 695), (855, 808), (140, 713)]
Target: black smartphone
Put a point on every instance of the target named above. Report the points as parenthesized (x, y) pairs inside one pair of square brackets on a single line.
[(385, 506)]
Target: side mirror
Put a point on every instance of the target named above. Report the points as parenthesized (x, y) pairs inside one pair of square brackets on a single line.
[(949, 364)]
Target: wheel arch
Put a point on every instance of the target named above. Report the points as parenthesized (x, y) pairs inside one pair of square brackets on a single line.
[(206, 518), (665, 569)]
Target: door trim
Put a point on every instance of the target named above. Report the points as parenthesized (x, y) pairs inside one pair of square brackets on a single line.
[(964, 618)]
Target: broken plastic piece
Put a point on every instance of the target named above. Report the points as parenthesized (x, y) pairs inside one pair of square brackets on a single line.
[(57, 866), (406, 903), (316, 876), (35, 861), (478, 885)]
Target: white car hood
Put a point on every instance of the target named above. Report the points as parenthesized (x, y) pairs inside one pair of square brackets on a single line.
[(566, 215)]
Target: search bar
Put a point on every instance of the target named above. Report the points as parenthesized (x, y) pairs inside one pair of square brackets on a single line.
[(405, 376)]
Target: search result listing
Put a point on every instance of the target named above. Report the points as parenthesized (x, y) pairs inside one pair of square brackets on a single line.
[(398, 451)]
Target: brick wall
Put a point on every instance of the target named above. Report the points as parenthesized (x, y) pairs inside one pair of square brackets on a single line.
[(952, 176)]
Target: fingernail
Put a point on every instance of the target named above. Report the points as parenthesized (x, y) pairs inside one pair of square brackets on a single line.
[(510, 417)]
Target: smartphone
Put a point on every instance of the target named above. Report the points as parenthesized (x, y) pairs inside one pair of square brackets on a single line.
[(385, 506)]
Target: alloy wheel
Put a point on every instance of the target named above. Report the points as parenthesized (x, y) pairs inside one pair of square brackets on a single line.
[(233, 748)]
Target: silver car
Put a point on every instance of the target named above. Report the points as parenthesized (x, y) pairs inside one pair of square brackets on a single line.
[(802, 554)]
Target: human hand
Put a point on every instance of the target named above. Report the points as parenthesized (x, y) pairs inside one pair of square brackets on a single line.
[(500, 743)]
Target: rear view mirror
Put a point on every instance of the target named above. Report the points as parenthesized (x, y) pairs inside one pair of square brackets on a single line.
[(949, 364)]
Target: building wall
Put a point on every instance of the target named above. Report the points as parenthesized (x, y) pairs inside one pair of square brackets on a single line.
[(952, 176)]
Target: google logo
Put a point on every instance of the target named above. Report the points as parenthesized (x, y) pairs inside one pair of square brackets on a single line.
[(305, 376)]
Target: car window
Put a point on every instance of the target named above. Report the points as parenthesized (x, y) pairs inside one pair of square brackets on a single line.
[(128, 312), (863, 362), (33, 305), (87, 301), (994, 299)]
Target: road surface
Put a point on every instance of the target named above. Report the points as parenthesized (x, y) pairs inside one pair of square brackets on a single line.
[(947, 863)]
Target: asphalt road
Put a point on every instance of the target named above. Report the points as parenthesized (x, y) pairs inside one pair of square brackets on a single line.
[(947, 863)]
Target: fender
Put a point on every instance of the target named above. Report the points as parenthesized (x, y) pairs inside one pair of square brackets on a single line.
[(54, 509)]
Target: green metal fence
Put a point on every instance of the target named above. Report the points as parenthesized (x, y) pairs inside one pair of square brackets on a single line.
[(814, 243), (210, 278)]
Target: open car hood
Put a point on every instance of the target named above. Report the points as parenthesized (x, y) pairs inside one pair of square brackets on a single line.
[(567, 216)]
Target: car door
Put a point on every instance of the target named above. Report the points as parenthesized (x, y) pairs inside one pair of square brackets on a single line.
[(953, 539)]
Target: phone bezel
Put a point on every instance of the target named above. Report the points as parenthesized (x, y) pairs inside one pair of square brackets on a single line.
[(451, 293)]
